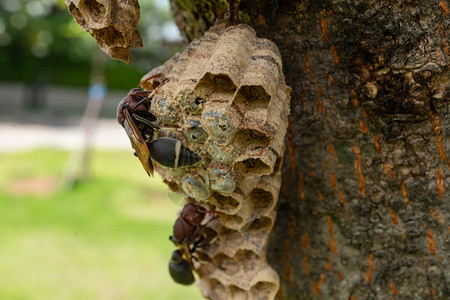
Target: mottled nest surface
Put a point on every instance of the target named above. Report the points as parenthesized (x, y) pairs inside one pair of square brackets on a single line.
[(228, 92)]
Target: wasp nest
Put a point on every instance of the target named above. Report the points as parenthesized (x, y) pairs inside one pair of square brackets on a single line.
[(227, 91), (111, 22)]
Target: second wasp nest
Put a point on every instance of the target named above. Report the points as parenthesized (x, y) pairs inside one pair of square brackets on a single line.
[(111, 22), (228, 92)]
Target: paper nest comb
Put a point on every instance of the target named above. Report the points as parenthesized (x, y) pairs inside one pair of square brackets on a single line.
[(229, 87), (112, 23)]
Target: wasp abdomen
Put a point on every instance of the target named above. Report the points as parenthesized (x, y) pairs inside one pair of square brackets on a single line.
[(171, 153), (179, 269)]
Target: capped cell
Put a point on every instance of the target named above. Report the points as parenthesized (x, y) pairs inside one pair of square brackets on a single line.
[(195, 133), (195, 187), (190, 102), (221, 122), (220, 180), (166, 110)]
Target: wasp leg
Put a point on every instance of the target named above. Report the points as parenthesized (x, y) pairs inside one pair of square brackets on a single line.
[(146, 118), (145, 121), (197, 244)]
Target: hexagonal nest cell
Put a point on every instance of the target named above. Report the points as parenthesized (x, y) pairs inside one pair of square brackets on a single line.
[(227, 94)]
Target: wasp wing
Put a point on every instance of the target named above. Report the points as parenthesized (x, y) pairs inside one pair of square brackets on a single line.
[(137, 141)]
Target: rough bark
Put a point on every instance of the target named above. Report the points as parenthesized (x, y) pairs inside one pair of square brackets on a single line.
[(364, 207)]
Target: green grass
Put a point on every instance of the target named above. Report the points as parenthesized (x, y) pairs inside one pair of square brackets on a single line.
[(107, 238)]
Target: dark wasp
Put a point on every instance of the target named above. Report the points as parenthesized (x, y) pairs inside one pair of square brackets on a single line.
[(139, 123), (187, 234)]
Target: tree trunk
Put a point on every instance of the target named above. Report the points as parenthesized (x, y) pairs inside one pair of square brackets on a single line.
[(364, 208)]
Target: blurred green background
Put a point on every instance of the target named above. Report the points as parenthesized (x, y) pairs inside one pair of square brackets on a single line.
[(41, 42), (106, 237)]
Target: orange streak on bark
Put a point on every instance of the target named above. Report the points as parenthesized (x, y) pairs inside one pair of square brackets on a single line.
[(436, 124), (328, 265), (280, 293), (319, 105), (332, 180), (341, 195), (287, 37), (446, 49), (324, 30), (333, 247), (369, 273), (319, 90), (376, 142), (330, 232), (306, 265), (318, 283), (311, 173), (331, 150), (308, 70), (335, 55), (440, 183), (288, 275), (330, 227), (404, 192), (219, 11), (394, 290), (441, 28), (389, 171), (363, 127), (436, 215), (352, 297), (291, 230), (358, 169), (441, 148), (330, 79), (301, 191), (355, 100), (305, 241), (284, 185), (439, 144), (444, 8), (319, 195), (286, 246), (261, 20), (284, 259), (394, 217), (291, 149), (364, 112), (431, 242), (340, 275), (333, 155)]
